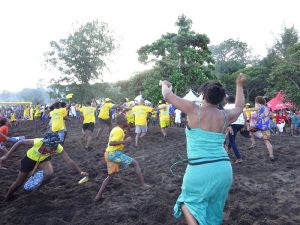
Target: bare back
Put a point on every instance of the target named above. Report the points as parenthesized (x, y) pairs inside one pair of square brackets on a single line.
[(207, 118)]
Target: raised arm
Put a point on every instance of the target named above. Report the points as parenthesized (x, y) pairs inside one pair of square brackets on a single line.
[(234, 113), (28, 142), (184, 105)]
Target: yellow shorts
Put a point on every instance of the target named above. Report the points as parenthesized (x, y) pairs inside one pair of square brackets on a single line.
[(164, 123)]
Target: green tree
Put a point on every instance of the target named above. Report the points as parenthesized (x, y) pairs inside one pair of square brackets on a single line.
[(285, 74), (183, 57), (287, 39), (231, 56), (82, 56)]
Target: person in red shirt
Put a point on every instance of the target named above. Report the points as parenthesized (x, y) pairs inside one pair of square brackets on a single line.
[(280, 122), (3, 134)]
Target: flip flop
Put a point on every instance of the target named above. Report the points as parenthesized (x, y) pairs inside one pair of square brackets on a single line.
[(238, 161)]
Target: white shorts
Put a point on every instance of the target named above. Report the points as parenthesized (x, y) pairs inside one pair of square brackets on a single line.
[(177, 120), (280, 127), (140, 129)]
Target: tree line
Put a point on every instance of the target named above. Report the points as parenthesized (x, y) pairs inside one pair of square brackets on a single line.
[(185, 58)]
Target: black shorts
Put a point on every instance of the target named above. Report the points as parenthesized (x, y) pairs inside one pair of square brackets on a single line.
[(105, 122), (28, 164), (88, 126)]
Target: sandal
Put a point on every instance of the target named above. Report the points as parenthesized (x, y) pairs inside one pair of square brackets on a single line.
[(272, 159)]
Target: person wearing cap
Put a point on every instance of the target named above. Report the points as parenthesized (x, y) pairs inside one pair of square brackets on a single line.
[(115, 156), (141, 112), (40, 152), (128, 113), (104, 116)]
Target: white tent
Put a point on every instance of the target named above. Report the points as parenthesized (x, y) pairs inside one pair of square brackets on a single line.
[(192, 97), (138, 98)]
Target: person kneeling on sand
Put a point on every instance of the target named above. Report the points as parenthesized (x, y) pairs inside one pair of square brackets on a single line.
[(115, 157), (38, 157)]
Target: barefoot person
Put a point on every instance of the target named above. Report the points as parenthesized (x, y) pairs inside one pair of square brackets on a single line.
[(104, 116), (164, 117), (115, 157), (89, 120), (208, 176), (262, 127), (40, 152)]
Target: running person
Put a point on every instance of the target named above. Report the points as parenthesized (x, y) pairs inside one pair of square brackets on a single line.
[(89, 121), (104, 116), (164, 117), (140, 112), (208, 176), (41, 150), (57, 121), (115, 157)]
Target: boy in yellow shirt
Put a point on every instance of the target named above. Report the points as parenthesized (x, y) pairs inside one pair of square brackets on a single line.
[(89, 121), (164, 117), (39, 155), (104, 116), (57, 121), (141, 112), (115, 157)]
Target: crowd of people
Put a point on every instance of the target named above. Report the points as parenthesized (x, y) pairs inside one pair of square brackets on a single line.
[(208, 176)]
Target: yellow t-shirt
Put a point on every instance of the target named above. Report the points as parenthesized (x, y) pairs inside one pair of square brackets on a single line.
[(12, 117), (31, 114), (116, 134), (164, 112), (37, 111), (141, 114), (129, 113), (26, 111), (104, 111), (57, 119), (88, 113), (35, 155)]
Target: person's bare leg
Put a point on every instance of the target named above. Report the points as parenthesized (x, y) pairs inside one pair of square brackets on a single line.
[(48, 171), (138, 172), (252, 140), (100, 130), (270, 148), (188, 216), (106, 181), (88, 138), (15, 185), (137, 139), (164, 132)]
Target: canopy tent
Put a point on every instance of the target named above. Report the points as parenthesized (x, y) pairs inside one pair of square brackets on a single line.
[(277, 103), (138, 98), (192, 97)]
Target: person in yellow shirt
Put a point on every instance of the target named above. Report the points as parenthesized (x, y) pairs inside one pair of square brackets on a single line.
[(104, 116), (115, 157), (164, 117), (39, 156), (89, 120), (37, 114), (129, 113), (26, 112), (31, 113), (57, 121), (141, 113), (13, 119)]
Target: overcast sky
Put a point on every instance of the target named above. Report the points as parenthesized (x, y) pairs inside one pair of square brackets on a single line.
[(28, 26)]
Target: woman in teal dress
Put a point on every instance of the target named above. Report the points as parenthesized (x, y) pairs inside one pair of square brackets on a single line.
[(208, 176)]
